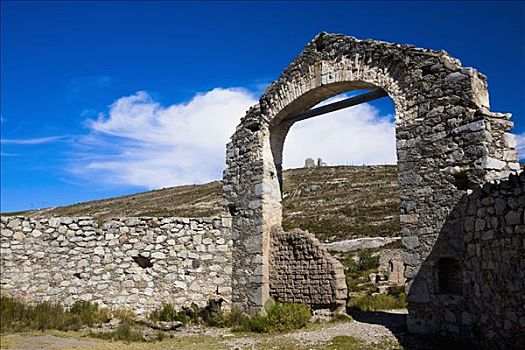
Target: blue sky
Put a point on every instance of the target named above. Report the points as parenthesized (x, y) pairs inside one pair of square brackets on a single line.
[(102, 99)]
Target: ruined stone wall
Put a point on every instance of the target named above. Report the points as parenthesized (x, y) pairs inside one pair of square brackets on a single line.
[(494, 265), (247, 190), (391, 265), (69, 259), (302, 271), (448, 142)]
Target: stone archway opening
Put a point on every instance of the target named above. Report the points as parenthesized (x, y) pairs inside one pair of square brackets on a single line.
[(310, 106), (447, 142), (345, 163), (345, 201)]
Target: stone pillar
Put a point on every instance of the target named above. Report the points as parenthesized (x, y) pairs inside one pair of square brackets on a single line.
[(252, 198)]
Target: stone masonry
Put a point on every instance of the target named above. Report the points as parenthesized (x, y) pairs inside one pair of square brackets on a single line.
[(310, 163), (462, 210), (391, 265), (448, 143), (494, 265), (136, 263), (302, 271)]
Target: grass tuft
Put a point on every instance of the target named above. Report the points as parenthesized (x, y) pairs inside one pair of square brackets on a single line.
[(280, 317), (17, 316), (124, 332), (378, 302), (168, 313)]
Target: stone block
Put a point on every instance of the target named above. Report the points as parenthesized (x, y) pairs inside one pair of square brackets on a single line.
[(513, 218)]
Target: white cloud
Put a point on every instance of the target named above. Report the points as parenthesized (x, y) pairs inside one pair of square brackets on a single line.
[(520, 140), (357, 135), (33, 141), (143, 143)]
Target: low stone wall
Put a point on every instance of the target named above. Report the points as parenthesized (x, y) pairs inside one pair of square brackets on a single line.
[(494, 264), (357, 244), (137, 263), (302, 271)]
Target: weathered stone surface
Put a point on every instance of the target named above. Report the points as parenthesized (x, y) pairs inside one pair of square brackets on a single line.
[(353, 245), (391, 264), (494, 265), (463, 236), (448, 144), (302, 271), (140, 271), (309, 163)]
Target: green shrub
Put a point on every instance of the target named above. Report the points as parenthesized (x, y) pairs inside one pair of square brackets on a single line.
[(256, 323), (288, 316), (161, 336), (367, 287), (397, 291), (378, 302), (124, 314), (279, 317), (341, 317), (48, 315), (357, 272), (232, 318), (124, 332), (86, 313), (13, 314), (236, 317), (367, 261), (127, 333), (195, 314), (346, 342), (168, 313), (365, 264)]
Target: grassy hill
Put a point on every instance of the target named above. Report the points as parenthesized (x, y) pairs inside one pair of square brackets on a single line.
[(342, 202), (335, 203)]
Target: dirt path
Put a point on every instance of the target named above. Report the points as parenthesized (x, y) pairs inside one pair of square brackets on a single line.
[(369, 333), (209, 339), (42, 342)]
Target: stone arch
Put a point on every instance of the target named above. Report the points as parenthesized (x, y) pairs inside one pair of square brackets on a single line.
[(446, 144)]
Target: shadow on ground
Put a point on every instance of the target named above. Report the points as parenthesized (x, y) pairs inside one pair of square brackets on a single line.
[(396, 323)]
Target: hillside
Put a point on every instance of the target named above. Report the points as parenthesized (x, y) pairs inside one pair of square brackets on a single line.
[(342, 202), (335, 203)]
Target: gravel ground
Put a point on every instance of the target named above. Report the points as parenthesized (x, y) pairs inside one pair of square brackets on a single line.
[(42, 342), (382, 330), (370, 333)]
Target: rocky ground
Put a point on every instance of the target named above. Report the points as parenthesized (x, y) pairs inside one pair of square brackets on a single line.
[(368, 331), (367, 336)]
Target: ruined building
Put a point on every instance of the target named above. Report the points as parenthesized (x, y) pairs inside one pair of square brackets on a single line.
[(310, 163), (463, 237), (462, 209)]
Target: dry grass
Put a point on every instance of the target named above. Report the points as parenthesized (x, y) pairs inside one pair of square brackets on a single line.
[(78, 341), (334, 203), (378, 302), (342, 202), (18, 316)]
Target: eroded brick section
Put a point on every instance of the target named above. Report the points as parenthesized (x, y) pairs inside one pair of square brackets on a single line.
[(302, 271)]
